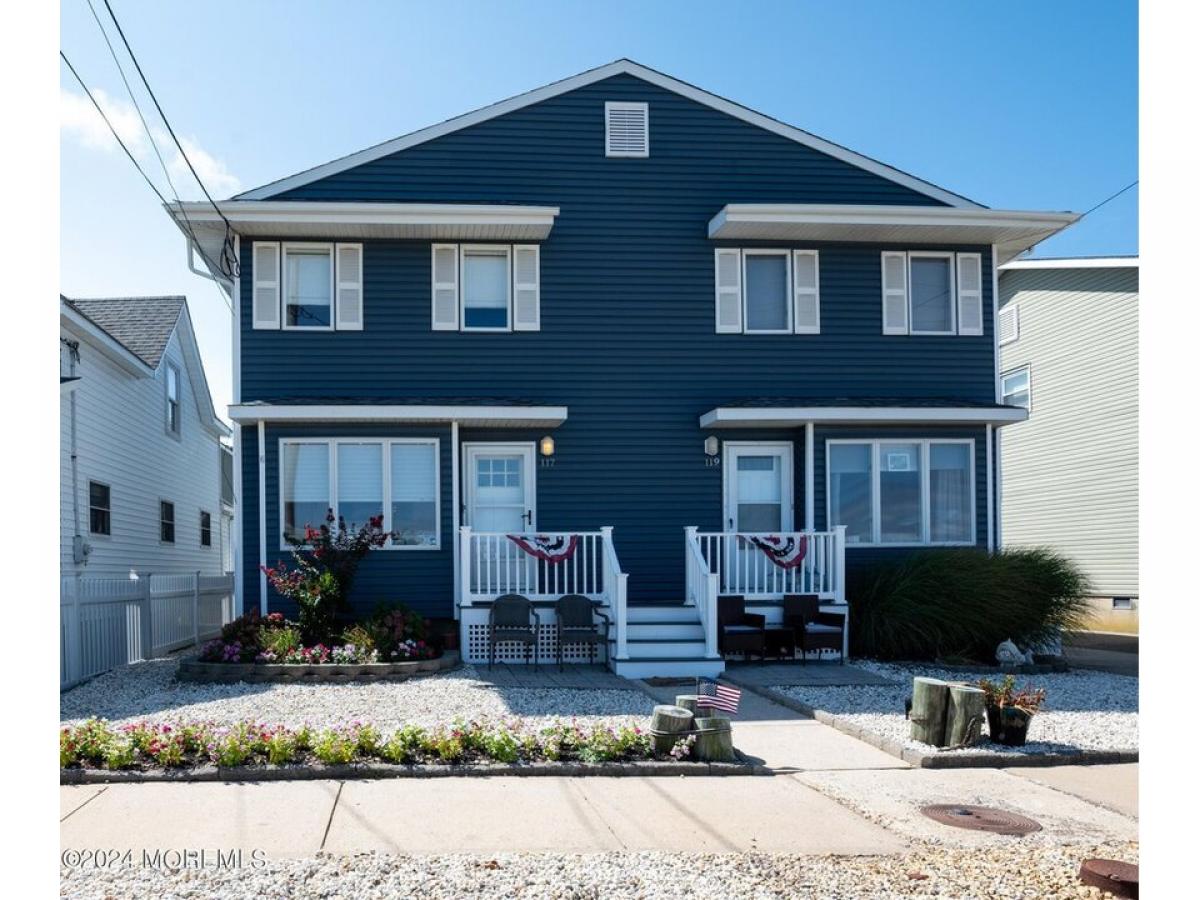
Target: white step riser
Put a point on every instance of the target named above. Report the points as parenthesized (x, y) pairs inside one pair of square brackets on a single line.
[(684, 668), (661, 614), (692, 632), (684, 650)]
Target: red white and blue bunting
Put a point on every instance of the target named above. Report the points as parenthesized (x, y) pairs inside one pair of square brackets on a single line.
[(547, 548), (785, 552)]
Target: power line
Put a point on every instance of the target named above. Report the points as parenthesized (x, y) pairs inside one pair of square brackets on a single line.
[(229, 263), (1109, 198)]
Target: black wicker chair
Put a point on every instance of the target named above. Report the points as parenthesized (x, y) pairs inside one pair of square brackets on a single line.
[(576, 616), (815, 630), (739, 631), (513, 618)]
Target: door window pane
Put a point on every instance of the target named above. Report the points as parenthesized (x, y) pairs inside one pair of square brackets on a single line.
[(499, 501), (485, 288), (414, 495), (359, 483), (950, 493), (766, 293), (305, 488), (309, 277), (900, 493), (850, 473), (932, 309), (759, 493)]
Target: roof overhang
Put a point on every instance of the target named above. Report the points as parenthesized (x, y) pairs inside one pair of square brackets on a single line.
[(1011, 231), (79, 324), (1079, 262), (793, 416), (482, 415)]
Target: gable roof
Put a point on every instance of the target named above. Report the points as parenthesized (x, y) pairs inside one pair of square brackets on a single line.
[(142, 325), (619, 67)]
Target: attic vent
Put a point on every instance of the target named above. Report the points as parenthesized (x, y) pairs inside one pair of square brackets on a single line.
[(1010, 325), (626, 129)]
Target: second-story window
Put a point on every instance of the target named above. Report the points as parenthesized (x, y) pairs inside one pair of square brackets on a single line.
[(485, 288), (768, 291), (932, 292), (767, 307), (1014, 388), (166, 521), (172, 399), (308, 286)]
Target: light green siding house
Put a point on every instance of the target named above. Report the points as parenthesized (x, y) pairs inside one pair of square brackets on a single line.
[(1068, 333)]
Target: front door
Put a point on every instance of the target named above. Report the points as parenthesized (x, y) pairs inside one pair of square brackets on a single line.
[(498, 493), (758, 500)]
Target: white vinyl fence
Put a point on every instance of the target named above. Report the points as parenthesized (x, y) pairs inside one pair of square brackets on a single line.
[(108, 622)]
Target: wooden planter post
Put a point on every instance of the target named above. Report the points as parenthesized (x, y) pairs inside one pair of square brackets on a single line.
[(668, 724), (714, 740), (688, 702), (928, 717), (964, 715)]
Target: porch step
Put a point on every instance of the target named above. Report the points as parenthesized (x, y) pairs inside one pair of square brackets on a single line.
[(675, 612), (668, 667), (666, 628), (663, 648)]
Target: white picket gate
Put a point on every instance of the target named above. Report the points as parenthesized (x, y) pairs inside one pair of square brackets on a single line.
[(108, 622)]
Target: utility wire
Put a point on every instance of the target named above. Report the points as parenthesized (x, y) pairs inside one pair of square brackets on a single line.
[(1110, 198), (229, 263)]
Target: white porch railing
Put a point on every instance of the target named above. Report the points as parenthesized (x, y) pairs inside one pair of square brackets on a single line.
[(108, 622), (491, 565), (742, 568), (701, 588)]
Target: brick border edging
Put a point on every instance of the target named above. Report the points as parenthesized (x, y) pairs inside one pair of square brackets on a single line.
[(194, 670), (932, 760), (425, 770)]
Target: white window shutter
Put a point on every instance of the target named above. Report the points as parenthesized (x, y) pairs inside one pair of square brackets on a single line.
[(445, 287), (526, 288), (895, 292), (729, 291), (265, 312), (970, 293), (806, 274), (349, 287)]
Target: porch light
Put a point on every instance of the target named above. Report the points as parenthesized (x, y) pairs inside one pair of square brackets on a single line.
[(546, 445), (712, 446)]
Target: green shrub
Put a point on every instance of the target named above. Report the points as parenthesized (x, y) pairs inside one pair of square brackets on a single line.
[(331, 746), (280, 641), (404, 745), (963, 602), (119, 753)]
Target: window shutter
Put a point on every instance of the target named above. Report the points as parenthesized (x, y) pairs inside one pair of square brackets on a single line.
[(349, 287), (895, 293), (265, 312), (729, 291), (970, 293), (445, 287), (1010, 325), (526, 288), (806, 274)]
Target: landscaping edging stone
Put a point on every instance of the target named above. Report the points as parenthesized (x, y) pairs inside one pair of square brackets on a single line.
[(427, 770), (932, 759), (254, 673)]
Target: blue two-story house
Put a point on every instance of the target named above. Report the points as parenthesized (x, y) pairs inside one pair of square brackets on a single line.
[(631, 316)]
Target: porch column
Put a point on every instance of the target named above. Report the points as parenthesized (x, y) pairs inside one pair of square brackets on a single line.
[(991, 505), (237, 536), (262, 516), (455, 514), (810, 521)]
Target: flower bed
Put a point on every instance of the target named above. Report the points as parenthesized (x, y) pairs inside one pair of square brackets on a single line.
[(157, 747)]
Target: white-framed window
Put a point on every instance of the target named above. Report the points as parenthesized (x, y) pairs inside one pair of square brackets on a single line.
[(932, 292), (308, 287), (1015, 388), (172, 393), (626, 129), (486, 287), (902, 492), (99, 508), (767, 291), (357, 479), (166, 521), (205, 528)]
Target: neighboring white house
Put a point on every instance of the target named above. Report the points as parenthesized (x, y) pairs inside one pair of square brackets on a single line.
[(1068, 333), (141, 455)]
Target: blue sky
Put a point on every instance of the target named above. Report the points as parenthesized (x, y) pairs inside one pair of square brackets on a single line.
[(1019, 105)]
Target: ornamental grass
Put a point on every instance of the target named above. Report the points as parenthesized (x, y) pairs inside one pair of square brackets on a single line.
[(145, 746)]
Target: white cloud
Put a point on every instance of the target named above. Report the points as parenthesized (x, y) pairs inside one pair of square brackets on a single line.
[(80, 122)]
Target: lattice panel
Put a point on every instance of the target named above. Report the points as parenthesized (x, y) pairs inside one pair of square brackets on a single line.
[(510, 651)]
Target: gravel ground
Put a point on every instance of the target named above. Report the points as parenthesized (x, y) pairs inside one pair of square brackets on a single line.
[(1083, 710), (1007, 872), (148, 691)]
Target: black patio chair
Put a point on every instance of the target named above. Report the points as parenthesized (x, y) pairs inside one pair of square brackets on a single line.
[(815, 630), (576, 616), (739, 631), (513, 618)]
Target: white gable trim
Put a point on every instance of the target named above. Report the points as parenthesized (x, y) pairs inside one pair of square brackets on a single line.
[(1079, 262), (620, 67)]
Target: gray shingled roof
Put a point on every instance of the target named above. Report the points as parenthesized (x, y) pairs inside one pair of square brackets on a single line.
[(142, 325)]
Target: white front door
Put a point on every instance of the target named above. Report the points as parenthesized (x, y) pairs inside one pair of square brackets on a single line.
[(758, 487), (499, 492)]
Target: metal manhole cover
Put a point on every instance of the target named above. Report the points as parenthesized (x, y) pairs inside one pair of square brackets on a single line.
[(1118, 878), (981, 818)]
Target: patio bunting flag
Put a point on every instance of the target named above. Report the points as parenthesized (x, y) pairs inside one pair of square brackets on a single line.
[(544, 547), (714, 695), (787, 553)]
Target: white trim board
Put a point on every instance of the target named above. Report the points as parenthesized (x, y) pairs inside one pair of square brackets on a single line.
[(618, 67), (1079, 262), (512, 416), (792, 416)]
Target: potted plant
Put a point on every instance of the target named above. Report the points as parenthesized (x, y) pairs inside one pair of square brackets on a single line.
[(1009, 709)]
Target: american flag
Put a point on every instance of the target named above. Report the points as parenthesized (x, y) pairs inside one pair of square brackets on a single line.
[(714, 695)]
